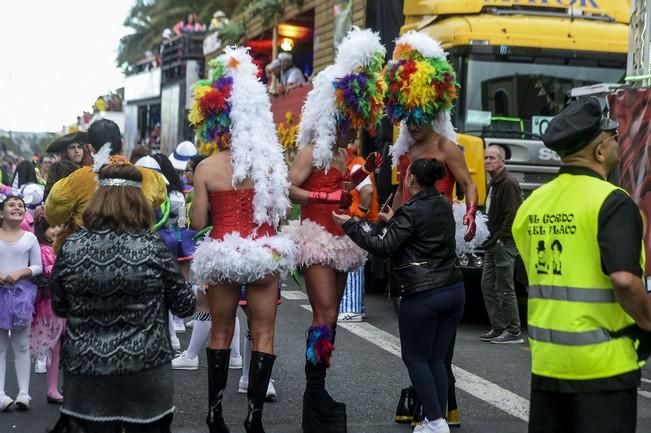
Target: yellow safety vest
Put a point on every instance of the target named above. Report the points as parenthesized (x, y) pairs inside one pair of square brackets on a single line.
[(572, 303)]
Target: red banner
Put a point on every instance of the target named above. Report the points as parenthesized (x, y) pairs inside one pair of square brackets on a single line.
[(290, 102), (632, 109)]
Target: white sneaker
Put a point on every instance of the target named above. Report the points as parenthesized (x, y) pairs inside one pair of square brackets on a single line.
[(235, 363), (5, 402), (350, 317), (184, 362), (22, 401), (439, 426), (244, 384), (176, 343), (179, 326), (190, 324), (40, 365)]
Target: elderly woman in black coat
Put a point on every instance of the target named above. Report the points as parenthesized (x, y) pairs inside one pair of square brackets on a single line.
[(419, 239)]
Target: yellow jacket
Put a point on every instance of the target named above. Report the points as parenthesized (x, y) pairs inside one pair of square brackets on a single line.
[(68, 197)]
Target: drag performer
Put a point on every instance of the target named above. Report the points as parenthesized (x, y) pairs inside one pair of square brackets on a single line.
[(347, 97), (245, 189), (422, 89)]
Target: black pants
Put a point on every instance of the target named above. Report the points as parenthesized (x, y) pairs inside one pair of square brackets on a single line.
[(428, 322), (586, 412)]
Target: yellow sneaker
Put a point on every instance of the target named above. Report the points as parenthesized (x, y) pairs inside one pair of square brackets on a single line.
[(454, 418)]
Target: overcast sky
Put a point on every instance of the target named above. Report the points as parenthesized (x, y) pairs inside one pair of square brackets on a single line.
[(56, 57)]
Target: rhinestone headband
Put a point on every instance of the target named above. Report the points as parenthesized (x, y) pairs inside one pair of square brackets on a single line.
[(119, 182)]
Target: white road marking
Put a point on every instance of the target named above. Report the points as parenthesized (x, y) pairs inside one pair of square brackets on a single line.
[(474, 385), (293, 295), (646, 394), (646, 380)]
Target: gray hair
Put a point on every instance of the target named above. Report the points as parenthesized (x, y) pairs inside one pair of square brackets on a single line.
[(500, 150)]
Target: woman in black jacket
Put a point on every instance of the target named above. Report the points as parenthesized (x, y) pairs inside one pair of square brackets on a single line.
[(419, 239)]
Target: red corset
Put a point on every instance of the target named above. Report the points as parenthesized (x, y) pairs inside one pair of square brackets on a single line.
[(321, 213), (232, 211), (444, 185)]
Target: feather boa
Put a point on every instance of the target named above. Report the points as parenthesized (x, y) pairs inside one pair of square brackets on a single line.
[(238, 116), (317, 246), (319, 345), (242, 260), (481, 234), (348, 94)]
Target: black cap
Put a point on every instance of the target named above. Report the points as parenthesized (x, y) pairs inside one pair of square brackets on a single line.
[(61, 143), (576, 126)]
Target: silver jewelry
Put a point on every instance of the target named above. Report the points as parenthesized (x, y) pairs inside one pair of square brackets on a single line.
[(111, 181)]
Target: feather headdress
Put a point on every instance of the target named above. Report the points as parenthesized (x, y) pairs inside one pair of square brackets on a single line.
[(232, 110), (347, 95), (422, 88)]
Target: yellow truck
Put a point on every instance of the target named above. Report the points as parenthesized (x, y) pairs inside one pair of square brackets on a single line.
[(516, 62)]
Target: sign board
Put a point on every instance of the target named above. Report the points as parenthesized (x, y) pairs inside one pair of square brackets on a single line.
[(145, 85), (539, 124)]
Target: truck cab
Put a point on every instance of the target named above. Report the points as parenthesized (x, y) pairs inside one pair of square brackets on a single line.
[(516, 62)]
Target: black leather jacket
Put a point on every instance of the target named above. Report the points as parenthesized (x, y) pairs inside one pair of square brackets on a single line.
[(419, 240), (115, 291)]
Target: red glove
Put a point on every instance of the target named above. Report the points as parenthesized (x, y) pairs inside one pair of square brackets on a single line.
[(469, 221), (340, 196), (373, 162)]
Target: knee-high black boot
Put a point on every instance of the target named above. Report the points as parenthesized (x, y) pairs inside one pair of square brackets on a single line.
[(321, 414), (259, 376), (217, 376)]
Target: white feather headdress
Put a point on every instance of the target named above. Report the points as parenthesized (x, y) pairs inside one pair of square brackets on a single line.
[(255, 150), (318, 125)]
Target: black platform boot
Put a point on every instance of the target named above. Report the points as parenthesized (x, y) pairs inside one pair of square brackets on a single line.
[(217, 376), (405, 409), (259, 376), (321, 414)]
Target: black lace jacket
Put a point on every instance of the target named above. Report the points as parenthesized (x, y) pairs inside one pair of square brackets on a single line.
[(115, 291)]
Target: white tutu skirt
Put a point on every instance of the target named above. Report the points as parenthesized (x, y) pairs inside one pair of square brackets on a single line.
[(242, 260), (316, 246), (481, 235)]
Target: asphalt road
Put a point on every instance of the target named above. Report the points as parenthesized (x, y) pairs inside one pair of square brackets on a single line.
[(367, 374)]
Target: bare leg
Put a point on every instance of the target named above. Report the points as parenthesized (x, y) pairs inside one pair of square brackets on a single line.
[(325, 287)]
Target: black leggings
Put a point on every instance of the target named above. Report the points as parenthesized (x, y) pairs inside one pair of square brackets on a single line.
[(428, 322)]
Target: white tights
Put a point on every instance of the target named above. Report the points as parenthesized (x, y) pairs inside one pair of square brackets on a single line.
[(20, 345)]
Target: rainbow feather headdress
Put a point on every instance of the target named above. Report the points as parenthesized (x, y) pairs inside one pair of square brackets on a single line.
[(347, 95), (232, 111), (422, 88), (210, 113)]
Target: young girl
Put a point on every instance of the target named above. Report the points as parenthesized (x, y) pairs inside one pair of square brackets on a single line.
[(20, 259), (47, 328)]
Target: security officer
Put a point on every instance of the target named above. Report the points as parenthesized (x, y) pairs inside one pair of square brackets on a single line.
[(580, 238)]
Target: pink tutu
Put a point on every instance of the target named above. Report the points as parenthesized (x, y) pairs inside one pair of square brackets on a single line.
[(318, 246), (47, 327)]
